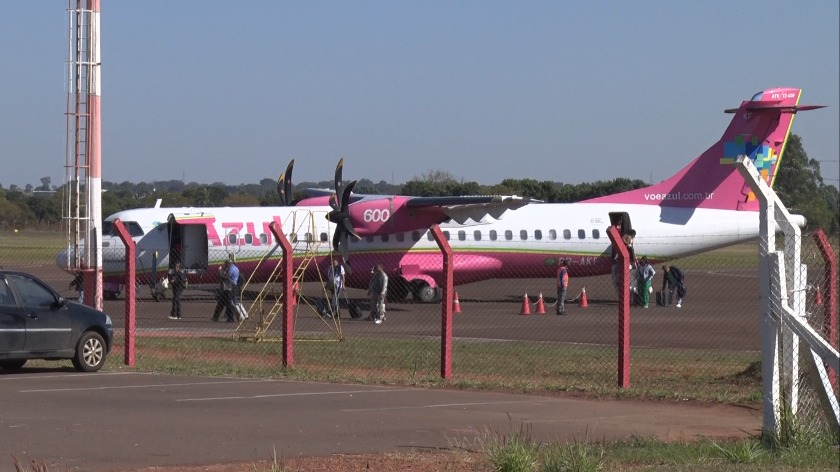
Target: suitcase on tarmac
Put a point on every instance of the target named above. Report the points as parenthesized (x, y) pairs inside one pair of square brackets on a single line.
[(660, 298)]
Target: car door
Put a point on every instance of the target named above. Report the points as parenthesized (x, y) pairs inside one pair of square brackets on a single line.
[(47, 323), (12, 321)]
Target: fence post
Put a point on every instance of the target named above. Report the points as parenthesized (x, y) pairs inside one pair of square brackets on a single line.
[(287, 272), (446, 304), (623, 308), (130, 291)]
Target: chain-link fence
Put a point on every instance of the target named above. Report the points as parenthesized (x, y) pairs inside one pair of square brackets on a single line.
[(506, 334)]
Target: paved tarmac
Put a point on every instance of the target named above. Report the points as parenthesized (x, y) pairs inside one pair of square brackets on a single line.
[(129, 420)]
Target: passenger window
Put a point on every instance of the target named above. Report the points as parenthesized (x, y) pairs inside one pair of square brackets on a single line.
[(249, 238), (263, 238), (493, 235), (552, 234), (596, 234), (508, 234), (538, 234), (430, 236), (415, 235), (581, 234), (446, 235), (477, 235), (385, 238), (567, 234), (523, 235), (232, 238), (369, 239), (400, 237), (462, 235), (324, 237)]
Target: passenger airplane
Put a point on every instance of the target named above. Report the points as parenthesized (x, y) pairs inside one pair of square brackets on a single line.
[(706, 205)]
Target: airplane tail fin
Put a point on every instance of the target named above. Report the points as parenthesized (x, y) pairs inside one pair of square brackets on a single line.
[(759, 129)]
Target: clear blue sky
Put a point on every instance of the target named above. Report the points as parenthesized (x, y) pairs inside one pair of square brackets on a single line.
[(220, 91)]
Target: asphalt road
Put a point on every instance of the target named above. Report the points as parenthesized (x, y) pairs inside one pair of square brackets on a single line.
[(127, 421)]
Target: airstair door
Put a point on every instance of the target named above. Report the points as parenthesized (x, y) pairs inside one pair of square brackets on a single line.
[(188, 243)]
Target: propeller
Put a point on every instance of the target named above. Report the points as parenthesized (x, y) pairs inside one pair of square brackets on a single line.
[(284, 185), (340, 214)]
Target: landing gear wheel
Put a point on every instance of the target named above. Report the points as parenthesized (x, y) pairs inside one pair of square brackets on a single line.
[(423, 292)]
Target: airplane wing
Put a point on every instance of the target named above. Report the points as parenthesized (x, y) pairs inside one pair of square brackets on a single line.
[(469, 207)]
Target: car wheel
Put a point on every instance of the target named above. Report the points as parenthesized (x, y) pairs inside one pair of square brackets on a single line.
[(90, 352), (12, 364)]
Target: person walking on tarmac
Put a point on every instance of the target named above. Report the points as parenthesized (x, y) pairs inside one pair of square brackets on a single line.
[(562, 286), (177, 282), (674, 280), (377, 290), (644, 279), (225, 295), (335, 284)]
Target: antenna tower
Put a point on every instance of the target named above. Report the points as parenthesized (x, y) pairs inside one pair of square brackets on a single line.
[(82, 209)]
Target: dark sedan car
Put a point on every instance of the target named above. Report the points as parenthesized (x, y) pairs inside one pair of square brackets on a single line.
[(36, 322)]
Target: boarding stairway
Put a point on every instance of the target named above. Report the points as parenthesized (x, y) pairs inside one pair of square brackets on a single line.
[(264, 308)]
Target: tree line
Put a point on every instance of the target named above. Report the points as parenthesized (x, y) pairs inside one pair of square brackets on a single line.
[(799, 184)]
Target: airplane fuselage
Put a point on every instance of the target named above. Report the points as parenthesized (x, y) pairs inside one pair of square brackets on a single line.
[(527, 242)]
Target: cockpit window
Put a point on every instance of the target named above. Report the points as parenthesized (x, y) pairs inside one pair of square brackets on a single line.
[(134, 229), (757, 97)]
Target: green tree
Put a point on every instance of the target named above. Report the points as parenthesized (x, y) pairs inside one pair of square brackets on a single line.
[(801, 188)]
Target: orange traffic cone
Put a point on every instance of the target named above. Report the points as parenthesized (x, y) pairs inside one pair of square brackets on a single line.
[(584, 303), (818, 297), (526, 305), (540, 305), (456, 305)]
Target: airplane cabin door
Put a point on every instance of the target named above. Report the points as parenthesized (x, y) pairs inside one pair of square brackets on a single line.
[(188, 244)]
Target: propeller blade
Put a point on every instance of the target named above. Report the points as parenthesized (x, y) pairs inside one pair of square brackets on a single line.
[(287, 182), (284, 185), (336, 238), (334, 203), (339, 170), (348, 228), (345, 198)]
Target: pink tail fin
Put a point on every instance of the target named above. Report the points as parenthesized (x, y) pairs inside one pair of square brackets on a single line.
[(759, 129)]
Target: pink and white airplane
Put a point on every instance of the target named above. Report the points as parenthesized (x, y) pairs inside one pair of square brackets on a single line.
[(704, 206)]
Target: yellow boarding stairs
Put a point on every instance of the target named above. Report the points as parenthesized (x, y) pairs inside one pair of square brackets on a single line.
[(268, 303)]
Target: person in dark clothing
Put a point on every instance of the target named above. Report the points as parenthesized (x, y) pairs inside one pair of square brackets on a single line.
[(675, 281), (224, 297), (177, 282), (78, 284)]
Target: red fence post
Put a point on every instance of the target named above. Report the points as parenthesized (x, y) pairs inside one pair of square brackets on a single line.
[(286, 272), (446, 304), (623, 308), (130, 291)]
